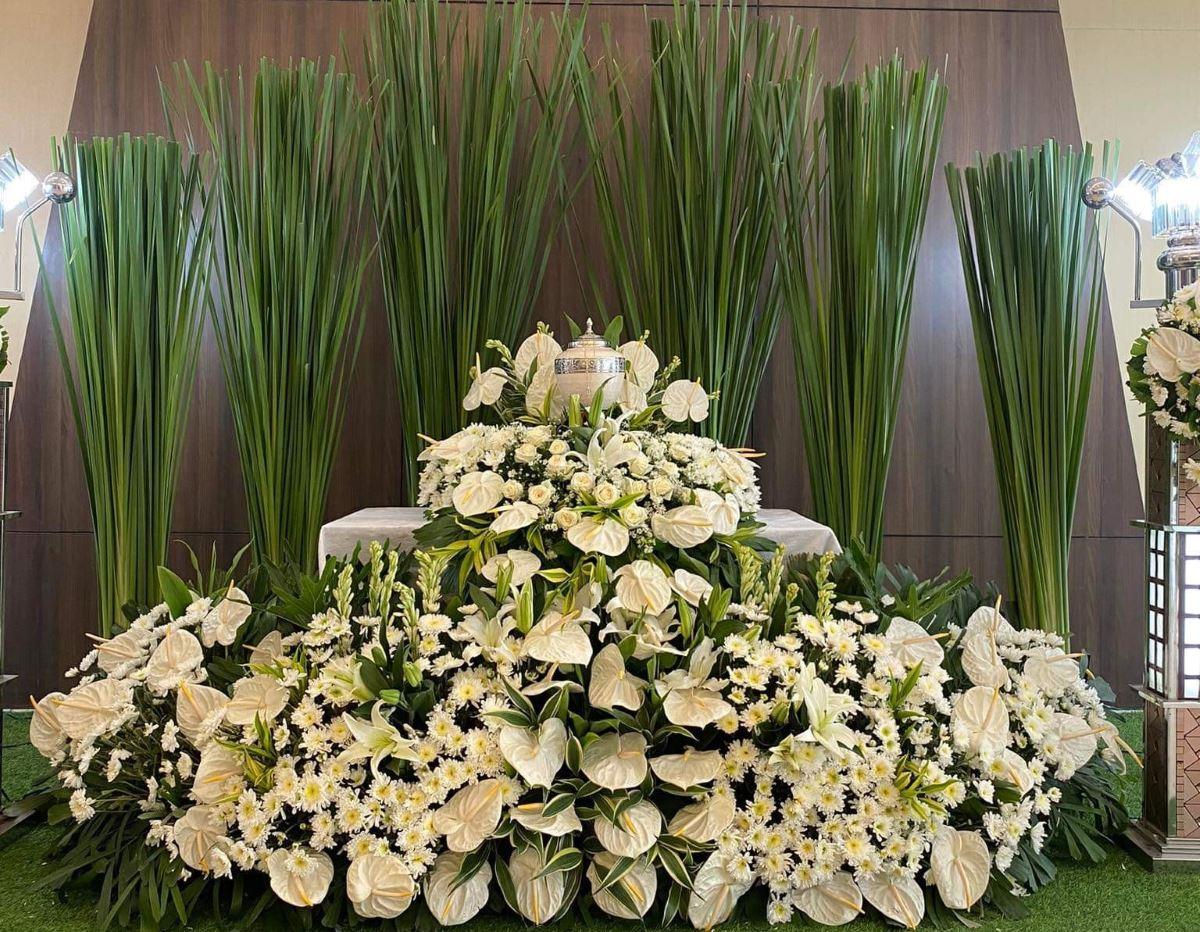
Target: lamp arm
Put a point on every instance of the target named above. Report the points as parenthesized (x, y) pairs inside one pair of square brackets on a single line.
[(1129, 218), (17, 294)]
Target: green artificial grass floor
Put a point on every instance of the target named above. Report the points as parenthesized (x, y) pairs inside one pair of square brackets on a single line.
[(1114, 896)]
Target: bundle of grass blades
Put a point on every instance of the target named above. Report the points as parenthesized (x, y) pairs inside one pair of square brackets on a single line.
[(138, 247), (470, 144), (685, 201), (1031, 259), (850, 217), (291, 157)]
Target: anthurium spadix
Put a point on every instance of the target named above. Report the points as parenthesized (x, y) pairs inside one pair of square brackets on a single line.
[(378, 740)]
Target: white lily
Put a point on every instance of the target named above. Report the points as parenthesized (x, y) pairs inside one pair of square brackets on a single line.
[(825, 708), (378, 740)]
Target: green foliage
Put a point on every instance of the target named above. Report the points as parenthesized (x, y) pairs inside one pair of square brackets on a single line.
[(469, 162), (1031, 259), (291, 194), (684, 189), (138, 244), (3, 340), (849, 223)]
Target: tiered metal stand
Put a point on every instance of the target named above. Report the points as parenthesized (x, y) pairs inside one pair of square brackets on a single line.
[(6, 822), (1168, 832)]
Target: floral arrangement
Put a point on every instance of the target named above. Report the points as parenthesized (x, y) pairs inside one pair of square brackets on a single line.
[(1163, 364), (594, 686)]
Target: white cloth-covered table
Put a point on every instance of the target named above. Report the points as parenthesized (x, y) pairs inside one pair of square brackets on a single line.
[(397, 526)]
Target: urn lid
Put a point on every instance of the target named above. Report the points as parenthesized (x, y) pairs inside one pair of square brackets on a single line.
[(590, 352)]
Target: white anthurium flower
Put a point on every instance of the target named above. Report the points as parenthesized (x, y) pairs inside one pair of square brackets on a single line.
[(523, 563), (300, 876), (1172, 353), (598, 534), (685, 526), (513, 517), (715, 891), (640, 884), (538, 347), (832, 903), (478, 492), (632, 398), (616, 762), (222, 624), (90, 710), (691, 768), (454, 448), (722, 510), (691, 587), (197, 832), (611, 685), (608, 448), (470, 815), (218, 777), (959, 866), (1051, 671), (987, 618), (690, 697), (538, 898), (639, 828), (1076, 740), (485, 389), (641, 586), (453, 905), (379, 887), (684, 400), (559, 638), (260, 696), (529, 815), (980, 720), (704, 820), (643, 364), (825, 707), (45, 730), (981, 660), (896, 895), (126, 648), (378, 740), (1016, 771), (199, 708), (911, 644), (175, 660), (268, 651), (548, 682), (544, 385), (538, 755)]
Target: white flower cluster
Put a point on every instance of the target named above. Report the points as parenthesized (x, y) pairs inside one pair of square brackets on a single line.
[(1163, 365)]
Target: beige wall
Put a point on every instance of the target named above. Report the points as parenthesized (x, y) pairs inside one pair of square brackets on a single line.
[(1134, 72), (41, 43)]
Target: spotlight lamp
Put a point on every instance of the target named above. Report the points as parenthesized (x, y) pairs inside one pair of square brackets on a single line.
[(1167, 196), (17, 183)]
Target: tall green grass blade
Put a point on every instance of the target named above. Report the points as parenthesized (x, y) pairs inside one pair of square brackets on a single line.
[(291, 187), (684, 198), (470, 144), (1031, 259), (137, 241), (851, 215)]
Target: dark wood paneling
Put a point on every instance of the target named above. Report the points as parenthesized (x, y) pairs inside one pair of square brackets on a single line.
[(1009, 85)]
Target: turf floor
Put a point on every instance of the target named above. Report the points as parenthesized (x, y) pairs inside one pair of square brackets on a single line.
[(1111, 897)]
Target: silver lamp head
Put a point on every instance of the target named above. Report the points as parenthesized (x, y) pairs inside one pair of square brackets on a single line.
[(1098, 192), (58, 187)]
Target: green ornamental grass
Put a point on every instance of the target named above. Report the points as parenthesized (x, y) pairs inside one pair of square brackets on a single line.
[(850, 217), (470, 140), (1031, 259), (684, 198), (291, 188), (138, 247)]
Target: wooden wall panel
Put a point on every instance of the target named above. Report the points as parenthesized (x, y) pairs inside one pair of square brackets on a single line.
[(1006, 68)]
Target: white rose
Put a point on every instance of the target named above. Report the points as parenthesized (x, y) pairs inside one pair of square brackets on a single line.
[(526, 453), (582, 482), (558, 447), (633, 514), (566, 518), (606, 494), (639, 465), (557, 465), (513, 489), (660, 487), (540, 495)]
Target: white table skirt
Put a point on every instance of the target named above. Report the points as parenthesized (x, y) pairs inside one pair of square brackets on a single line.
[(397, 526)]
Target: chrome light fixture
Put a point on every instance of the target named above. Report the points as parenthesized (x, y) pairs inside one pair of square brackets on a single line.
[(16, 184), (1167, 195)]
